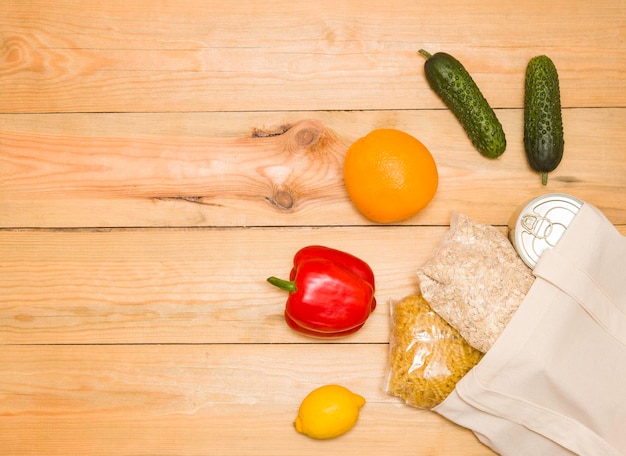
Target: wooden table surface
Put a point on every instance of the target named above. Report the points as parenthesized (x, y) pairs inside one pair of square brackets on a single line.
[(159, 160)]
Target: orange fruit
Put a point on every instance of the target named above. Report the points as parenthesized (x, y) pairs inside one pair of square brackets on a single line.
[(390, 175)]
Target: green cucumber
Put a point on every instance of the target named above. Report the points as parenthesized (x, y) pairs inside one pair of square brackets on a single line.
[(454, 85), (543, 124)]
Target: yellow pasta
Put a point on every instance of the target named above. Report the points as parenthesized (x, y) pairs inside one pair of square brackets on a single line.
[(427, 356)]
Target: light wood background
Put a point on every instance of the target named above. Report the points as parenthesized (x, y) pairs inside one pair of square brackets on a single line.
[(159, 160)]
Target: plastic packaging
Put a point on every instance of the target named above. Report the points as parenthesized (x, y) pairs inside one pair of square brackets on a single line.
[(475, 280), (427, 356)]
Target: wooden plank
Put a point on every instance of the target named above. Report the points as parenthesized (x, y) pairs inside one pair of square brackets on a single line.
[(204, 399), (140, 56), (237, 169), (183, 286)]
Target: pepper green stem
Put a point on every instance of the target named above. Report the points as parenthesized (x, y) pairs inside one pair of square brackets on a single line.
[(286, 285), (425, 54), (544, 178)]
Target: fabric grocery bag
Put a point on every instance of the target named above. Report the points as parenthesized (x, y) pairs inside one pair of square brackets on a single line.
[(554, 382)]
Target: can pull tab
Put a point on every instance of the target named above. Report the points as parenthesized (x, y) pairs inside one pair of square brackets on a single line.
[(540, 227), (528, 222)]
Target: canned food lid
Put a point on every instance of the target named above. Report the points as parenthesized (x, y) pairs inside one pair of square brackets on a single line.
[(541, 223)]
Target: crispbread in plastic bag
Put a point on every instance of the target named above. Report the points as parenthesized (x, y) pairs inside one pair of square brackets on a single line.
[(475, 281), (427, 356)]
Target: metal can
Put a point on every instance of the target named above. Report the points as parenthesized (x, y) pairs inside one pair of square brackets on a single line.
[(539, 224)]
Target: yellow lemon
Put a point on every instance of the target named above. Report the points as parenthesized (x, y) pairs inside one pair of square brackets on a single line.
[(328, 411)]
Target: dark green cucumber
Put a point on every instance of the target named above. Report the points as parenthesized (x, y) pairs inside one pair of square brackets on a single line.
[(543, 124), (454, 85)]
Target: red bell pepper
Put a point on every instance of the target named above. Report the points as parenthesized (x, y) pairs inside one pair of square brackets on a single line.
[(350, 262), (331, 293)]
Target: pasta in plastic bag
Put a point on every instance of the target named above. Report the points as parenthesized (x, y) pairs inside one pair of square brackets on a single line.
[(427, 356)]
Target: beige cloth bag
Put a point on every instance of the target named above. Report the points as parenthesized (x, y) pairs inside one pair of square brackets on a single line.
[(554, 382)]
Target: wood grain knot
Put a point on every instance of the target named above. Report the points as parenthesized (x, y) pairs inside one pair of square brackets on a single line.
[(307, 137), (282, 199), (267, 133)]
